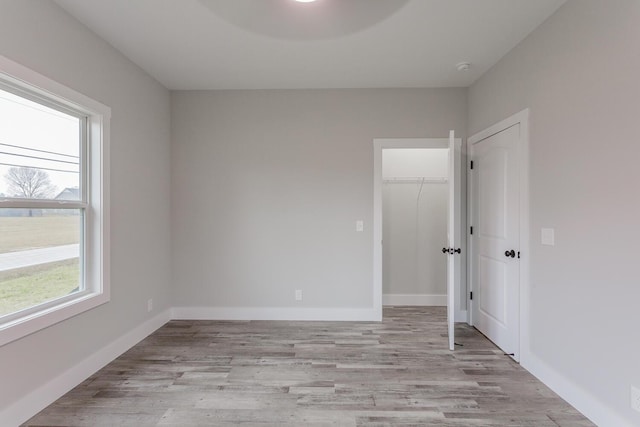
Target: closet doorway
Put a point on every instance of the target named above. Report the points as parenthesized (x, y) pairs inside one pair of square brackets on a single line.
[(414, 226), (417, 216)]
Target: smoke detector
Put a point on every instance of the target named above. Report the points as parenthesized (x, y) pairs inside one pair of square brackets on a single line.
[(463, 66)]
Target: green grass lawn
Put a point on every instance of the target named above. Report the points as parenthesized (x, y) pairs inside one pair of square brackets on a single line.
[(22, 233), (25, 287)]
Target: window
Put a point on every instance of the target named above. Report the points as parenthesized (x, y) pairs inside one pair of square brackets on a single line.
[(53, 202)]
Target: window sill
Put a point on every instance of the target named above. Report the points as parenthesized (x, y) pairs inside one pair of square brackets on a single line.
[(18, 328)]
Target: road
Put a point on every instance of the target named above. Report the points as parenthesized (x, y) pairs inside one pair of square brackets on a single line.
[(20, 259)]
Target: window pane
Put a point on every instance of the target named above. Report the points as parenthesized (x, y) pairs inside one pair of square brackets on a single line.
[(39, 256), (39, 150)]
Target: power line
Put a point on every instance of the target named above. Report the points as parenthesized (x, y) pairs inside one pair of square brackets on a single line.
[(46, 169), (40, 151), (39, 158)]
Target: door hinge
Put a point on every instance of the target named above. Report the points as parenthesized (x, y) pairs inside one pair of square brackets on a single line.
[(470, 230), (471, 164), (471, 295)]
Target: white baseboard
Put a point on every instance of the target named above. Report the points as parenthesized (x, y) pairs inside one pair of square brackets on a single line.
[(20, 411), (580, 399), (414, 299), (276, 313)]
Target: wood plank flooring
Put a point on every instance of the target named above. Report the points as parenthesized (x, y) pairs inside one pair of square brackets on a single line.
[(264, 373)]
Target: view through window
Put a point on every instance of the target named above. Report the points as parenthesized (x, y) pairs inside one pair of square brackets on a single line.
[(42, 201)]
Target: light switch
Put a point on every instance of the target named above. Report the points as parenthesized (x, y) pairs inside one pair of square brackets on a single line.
[(359, 225), (547, 236)]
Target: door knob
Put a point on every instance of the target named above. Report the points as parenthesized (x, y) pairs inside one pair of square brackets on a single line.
[(451, 251), (510, 253)]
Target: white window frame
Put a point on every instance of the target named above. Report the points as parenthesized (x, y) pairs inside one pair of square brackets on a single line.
[(95, 203)]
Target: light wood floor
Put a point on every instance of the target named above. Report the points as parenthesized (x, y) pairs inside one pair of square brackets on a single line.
[(395, 373)]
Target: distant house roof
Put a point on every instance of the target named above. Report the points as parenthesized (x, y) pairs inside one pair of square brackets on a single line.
[(69, 193)]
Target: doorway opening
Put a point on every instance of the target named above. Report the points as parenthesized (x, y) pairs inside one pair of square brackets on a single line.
[(414, 252), (414, 226)]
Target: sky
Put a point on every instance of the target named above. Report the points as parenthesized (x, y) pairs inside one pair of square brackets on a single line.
[(33, 135)]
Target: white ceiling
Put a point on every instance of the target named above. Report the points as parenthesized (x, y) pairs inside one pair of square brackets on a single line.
[(278, 44)]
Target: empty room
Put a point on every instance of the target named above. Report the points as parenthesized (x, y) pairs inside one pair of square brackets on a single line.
[(319, 213)]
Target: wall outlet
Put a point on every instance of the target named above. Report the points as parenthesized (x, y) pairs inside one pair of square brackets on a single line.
[(298, 294), (359, 225), (149, 305), (635, 398)]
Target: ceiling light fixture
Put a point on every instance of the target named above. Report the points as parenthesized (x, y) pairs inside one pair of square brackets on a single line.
[(305, 1), (318, 20)]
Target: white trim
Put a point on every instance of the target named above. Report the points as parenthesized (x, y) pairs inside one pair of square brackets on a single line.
[(96, 256), (411, 143), (377, 224), (275, 313), (25, 408), (590, 406), (521, 118), (469, 248), (22, 75), (414, 299)]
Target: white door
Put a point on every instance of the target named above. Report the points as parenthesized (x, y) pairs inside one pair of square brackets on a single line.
[(453, 235), (496, 239)]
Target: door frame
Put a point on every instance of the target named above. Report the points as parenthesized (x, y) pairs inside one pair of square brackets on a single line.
[(380, 144), (521, 118)]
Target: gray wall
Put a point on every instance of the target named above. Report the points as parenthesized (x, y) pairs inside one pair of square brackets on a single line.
[(267, 186), (41, 36), (579, 74), (414, 232)]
